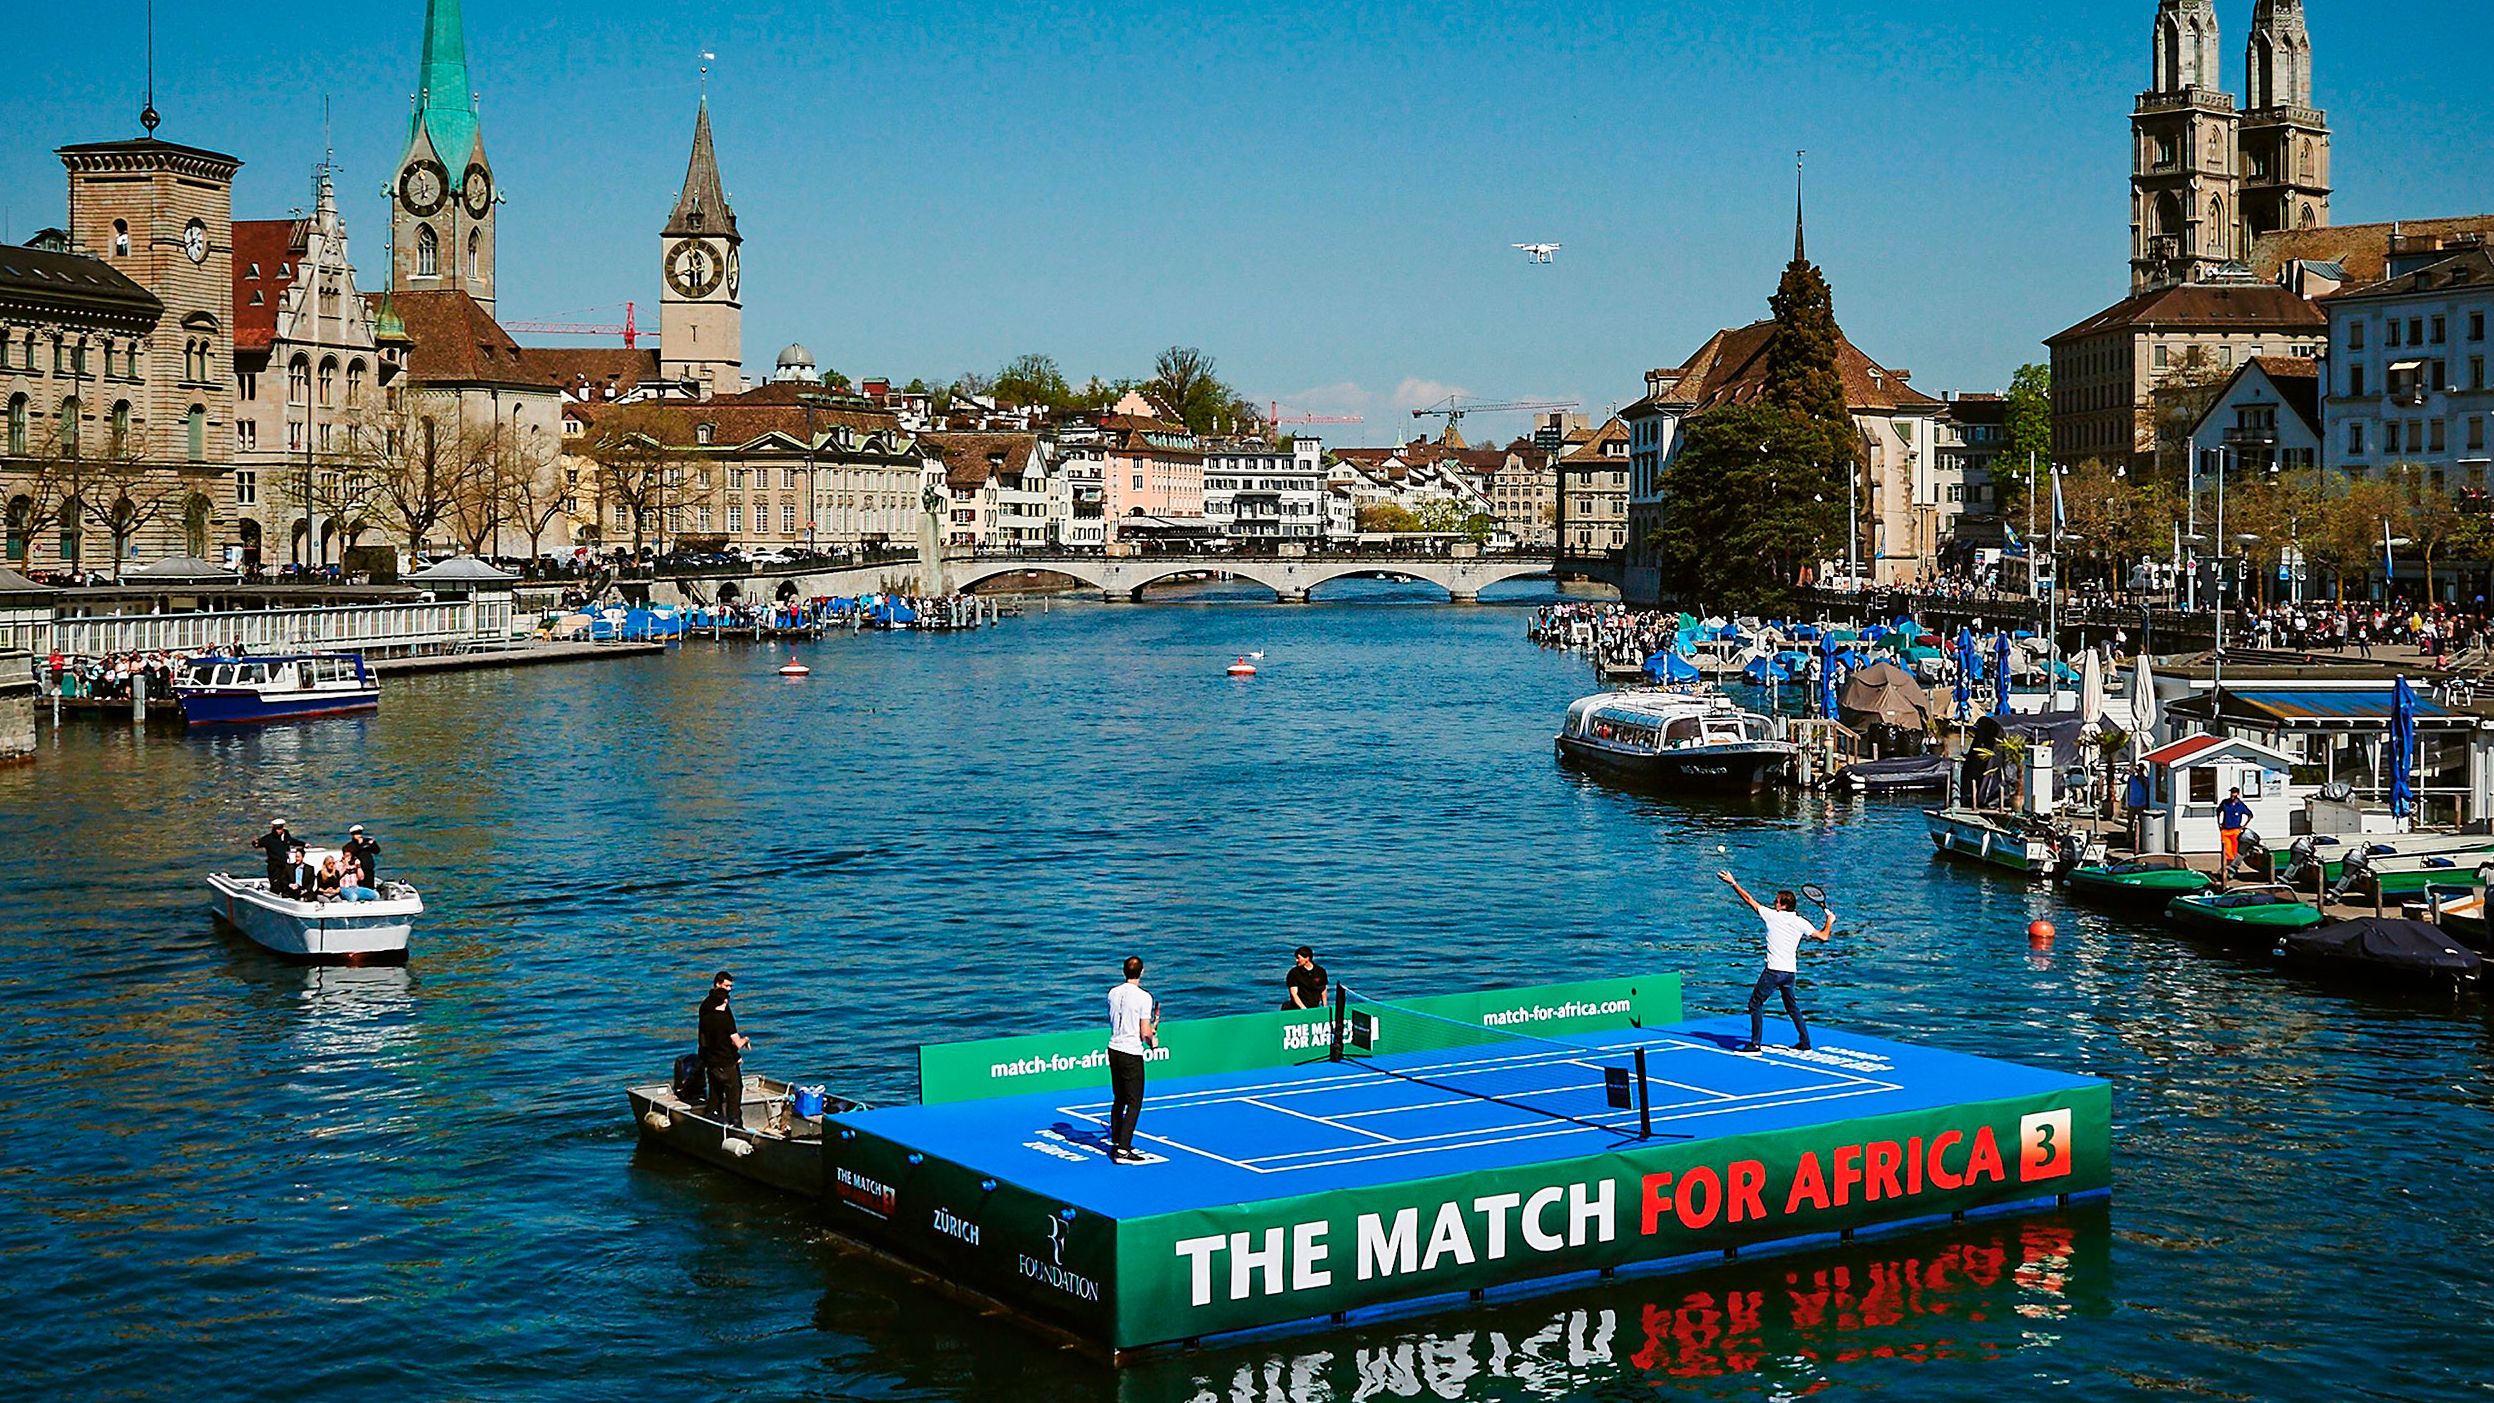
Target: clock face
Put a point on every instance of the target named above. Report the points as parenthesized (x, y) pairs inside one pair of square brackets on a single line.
[(423, 187), (195, 241), (735, 272), (477, 191), (694, 268)]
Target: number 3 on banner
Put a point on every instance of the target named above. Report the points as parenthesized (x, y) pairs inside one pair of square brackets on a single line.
[(2043, 1146)]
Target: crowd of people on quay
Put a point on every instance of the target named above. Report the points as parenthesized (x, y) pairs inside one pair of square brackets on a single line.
[(2436, 631), (1609, 629), (113, 676)]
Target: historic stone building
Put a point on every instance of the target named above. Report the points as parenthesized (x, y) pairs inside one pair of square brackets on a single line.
[(2206, 179), (443, 199), (700, 307), (306, 368)]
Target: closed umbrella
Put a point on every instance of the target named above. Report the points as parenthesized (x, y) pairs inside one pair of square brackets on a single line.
[(2090, 690), (1827, 675), (2147, 715), (2000, 674), (1965, 666), (2402, 749)]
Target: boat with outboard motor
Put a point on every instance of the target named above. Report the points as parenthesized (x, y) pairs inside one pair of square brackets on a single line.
[(2381, 851), (2253, 915), (780, 1143), (312, 931), (1686, 740), (2384, 950), (2155, 879), (216, 690), (2021, 843)]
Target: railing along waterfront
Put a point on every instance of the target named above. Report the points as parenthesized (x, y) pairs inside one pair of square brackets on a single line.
[(371, 628)]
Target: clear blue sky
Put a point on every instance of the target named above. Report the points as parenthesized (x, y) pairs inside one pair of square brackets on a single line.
[(1321, 196)]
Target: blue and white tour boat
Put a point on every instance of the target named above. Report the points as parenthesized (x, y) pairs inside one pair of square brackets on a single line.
[(217, 691)]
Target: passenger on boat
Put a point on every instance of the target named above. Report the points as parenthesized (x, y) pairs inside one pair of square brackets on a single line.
[(353, 885), (328, 881), (365, 852), (278, 848), (300, 877), (722, 1049)]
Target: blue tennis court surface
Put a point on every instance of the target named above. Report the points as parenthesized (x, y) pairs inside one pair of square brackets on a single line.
[(1308, 1129)]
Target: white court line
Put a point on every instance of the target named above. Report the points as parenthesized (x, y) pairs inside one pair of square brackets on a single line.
[(1319, 1120), (1723, 1100), (1302, 1086)]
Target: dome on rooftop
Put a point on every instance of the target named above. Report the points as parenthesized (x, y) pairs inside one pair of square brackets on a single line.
[(795, 355)]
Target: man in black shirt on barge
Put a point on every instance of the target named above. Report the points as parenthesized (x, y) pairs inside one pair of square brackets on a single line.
[(721, 1049)]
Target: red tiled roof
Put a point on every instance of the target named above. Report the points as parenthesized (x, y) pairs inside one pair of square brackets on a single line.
[(2362, 249), (2182, 750), (1612, 431), (264, 254), (1731, 368), (970, 459), (455, 341), (604, 371), (733, 423), (2247, 307)]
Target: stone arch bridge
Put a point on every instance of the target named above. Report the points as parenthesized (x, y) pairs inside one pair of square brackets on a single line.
[(1290, 577)]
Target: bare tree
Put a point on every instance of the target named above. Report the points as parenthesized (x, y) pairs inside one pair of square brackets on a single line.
[(414, 465), (639, 467), (533, 490)]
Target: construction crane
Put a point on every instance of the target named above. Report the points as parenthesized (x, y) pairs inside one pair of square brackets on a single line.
[(1454, 407), (1273, 415), (631, 335)]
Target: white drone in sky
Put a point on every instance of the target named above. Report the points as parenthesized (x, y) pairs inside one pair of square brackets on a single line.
[(1538, 253)]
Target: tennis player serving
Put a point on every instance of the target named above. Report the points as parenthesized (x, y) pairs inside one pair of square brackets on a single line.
[(1785, 929)]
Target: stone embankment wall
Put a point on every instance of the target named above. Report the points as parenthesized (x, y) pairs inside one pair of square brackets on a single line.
[(17, 706)]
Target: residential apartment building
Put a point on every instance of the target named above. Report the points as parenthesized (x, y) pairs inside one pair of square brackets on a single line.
[(2408, 367), (1149, 466), (1002, 496), (1524, 496), (1970, 436), (2266, 418), (1256, 490), (2169, 344), (1592, 516)]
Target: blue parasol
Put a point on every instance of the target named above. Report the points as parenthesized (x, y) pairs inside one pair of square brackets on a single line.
[(2000, 681), (1827, 675), (2402, 749), (1671, 667), (1965, 667)]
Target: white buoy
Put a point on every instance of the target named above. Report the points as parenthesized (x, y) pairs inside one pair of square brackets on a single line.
[(736, 1147), (793, 668), (658, 1121), (1242, 668)]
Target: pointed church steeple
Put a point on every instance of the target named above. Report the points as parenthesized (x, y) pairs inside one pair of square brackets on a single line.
[(445, 102), (443, 198), (701, 207), (1800, 252)]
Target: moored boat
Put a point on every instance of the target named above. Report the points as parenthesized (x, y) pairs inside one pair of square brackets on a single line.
[(1899, 774), (779, 1144), (318, 932), (1677, 740), (2383, 950), (2019, 843), (2253, 915), (2389, 850), (220, 691), (2154, 879)]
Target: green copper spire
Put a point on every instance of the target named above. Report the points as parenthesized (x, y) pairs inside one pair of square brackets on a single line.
[(445, 100)]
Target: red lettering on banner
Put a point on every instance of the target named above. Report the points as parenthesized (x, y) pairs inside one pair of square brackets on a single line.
[(1879, 1181), (1941, 1176), (1696, 1184), (1747, 1176), (1984, 1160), (1809, 1186), (1848, 1162), (1913, 1166), (1657, 1199)]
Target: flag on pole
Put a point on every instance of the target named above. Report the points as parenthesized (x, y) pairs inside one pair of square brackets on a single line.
[(2059, 520)]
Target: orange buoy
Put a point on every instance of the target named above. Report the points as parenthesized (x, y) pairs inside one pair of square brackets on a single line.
[(2039, 932), (1242, 668)]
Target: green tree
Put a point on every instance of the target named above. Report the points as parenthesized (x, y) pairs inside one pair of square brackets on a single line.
[(1386, 516), (1184, 379), (1803, 375), (2026, 438), (1748, 504), (833, 379), (1033, 379)]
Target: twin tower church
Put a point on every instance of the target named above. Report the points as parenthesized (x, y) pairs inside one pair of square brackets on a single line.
[(444, 205)]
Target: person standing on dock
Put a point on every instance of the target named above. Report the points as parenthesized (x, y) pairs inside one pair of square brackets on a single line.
[(1785, 930), (2233, 816), (722, 1053), (1133, 1025)]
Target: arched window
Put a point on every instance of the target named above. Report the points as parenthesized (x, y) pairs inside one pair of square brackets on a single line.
[(702, 433), (73, 518), (21, 526), (120, 439), (328, 381), (69, 425), (354, 383), (121, 238), (17, 426), (474, 241), (298, 380), (198, 426), (195, 515), (428, 253)]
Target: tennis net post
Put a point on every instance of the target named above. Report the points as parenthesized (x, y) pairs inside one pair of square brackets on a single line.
[(1342, 1013), (1645, 1105)]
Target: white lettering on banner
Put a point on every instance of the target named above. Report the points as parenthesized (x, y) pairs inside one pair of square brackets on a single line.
[(955, 1227), (1494, 1207), (1307, 1257), (1448, 1238), (1541, 1201), (1390, 1253), (1583, 1212), (1246, 1260), (1551, 1013), (1091, 1061), (1198, 1252)]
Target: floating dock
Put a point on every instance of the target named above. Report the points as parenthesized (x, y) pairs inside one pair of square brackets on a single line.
[(1283, 1188)]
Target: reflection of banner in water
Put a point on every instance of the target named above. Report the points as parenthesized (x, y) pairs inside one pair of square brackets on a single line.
[(1971, 1292)]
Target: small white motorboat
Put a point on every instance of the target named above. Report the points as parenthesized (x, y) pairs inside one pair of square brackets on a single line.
[(318, 932)]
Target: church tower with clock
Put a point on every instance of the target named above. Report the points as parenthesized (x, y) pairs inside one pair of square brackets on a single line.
[(443, 198), (701, 310)]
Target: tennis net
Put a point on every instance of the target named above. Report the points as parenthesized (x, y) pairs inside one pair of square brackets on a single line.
[(1603, 1088)]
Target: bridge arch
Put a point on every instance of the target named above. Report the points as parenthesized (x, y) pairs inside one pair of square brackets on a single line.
[(1083, 573)]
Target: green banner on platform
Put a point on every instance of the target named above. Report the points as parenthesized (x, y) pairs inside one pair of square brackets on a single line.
[(969, 1071), (1180, 1276)]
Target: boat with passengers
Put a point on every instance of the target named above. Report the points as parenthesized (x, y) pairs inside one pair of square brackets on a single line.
[(1687, 740), (316, 930), (217, 690)]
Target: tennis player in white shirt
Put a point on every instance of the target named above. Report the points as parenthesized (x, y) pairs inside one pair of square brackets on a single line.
[(1785, 932), (1133, 1025)]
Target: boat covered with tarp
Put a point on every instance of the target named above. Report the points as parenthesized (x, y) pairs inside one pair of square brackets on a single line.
[(2383, 949), (1901, 774)]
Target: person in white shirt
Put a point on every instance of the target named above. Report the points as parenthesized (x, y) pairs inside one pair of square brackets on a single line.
[(1785, 930), (1133, 1025)]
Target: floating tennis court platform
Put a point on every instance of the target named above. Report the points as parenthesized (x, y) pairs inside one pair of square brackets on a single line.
[(1313, 1167)]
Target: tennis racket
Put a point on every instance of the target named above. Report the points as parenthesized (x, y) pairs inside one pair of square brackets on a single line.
[(1817, 896)]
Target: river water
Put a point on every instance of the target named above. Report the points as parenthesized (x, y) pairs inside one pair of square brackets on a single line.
[(231, 1178)]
